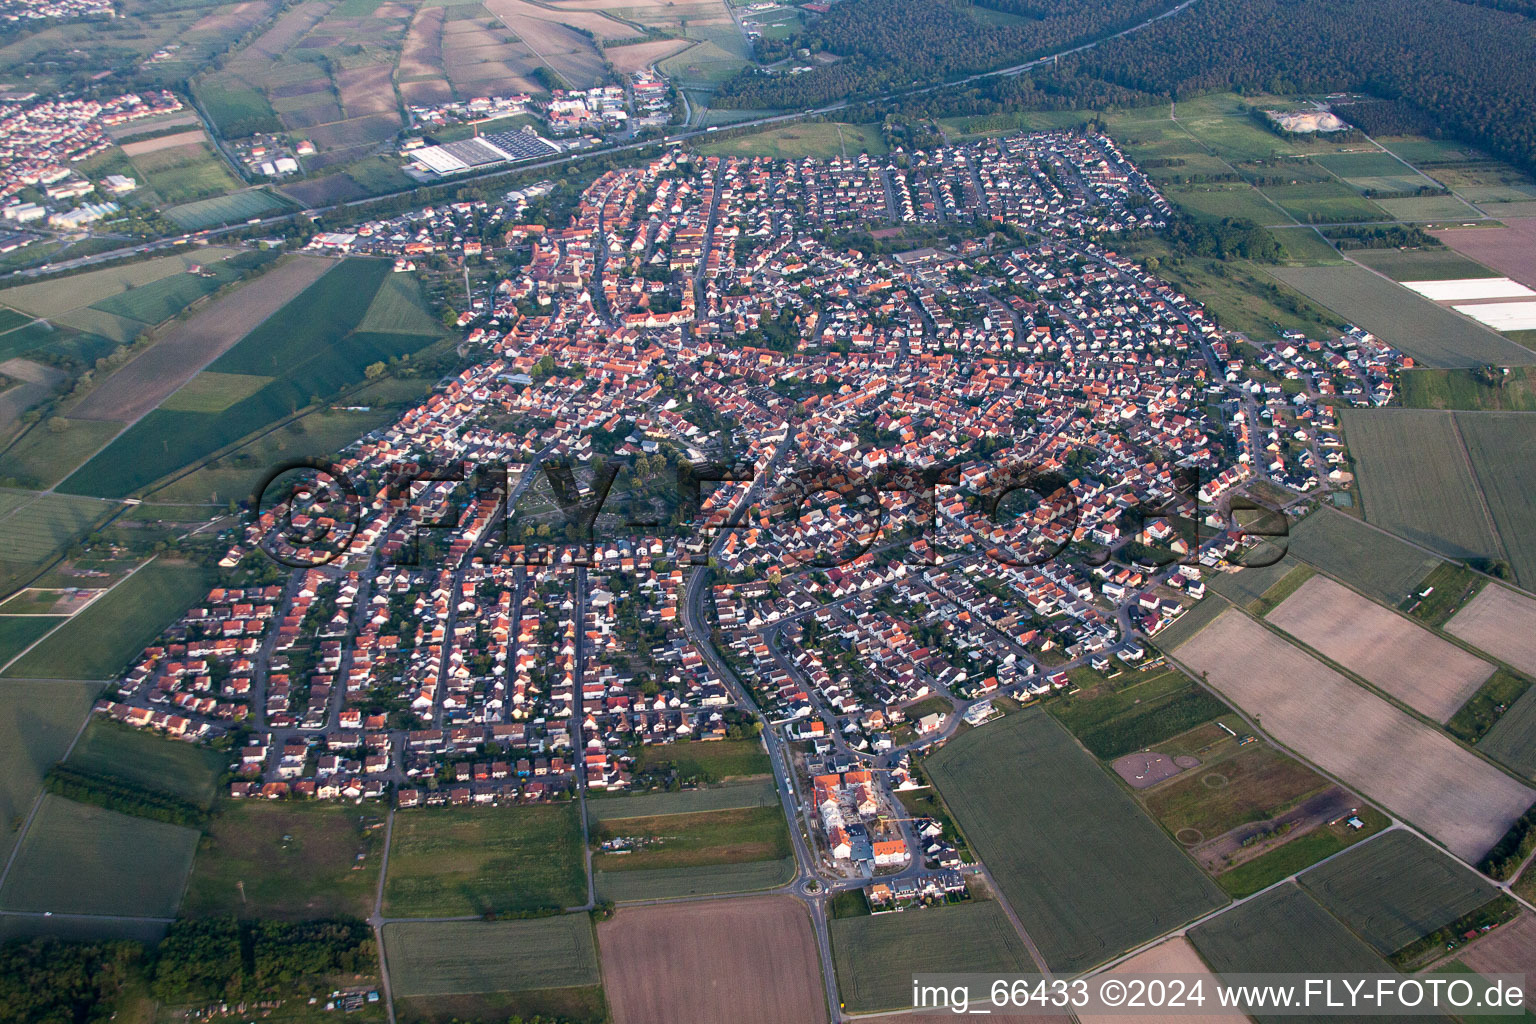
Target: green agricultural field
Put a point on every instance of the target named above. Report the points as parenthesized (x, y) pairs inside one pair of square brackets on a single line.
[(1431, 151), (1379, 565), (1502, 447), (59, 295), (1324, 202), (1255, 783), (78, 929), (1511, 389), (1415, 480), (694, 840), (183, 173), (311, 348), (709, 761), (18, 632), (227, 209), (1227, 199), (149, 761), (214, 392), (399, 308), (713, 880), (450, 861), (1431, 334), (1428, 208), (756, 793), (1132, 713), (43, 457), (821, 140), (38, 720), (1511, 740), (98, 642), (1434, 264), (236, 111), (160, 300), (1086, 870), (38, 528), (877, 955), (430, 958), (289, 860), (1284, 931), (1298, 854), (1191, 622), (1305, 245), (1246, 587), (43, 338), (1374, 164), (77, 859), (1396, 889)]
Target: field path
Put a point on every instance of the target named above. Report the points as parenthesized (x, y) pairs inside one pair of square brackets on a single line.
[(376, 919)]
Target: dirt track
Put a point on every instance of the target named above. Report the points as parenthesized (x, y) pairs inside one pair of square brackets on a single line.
[(153, 375), (736, 961), (1380, 751)]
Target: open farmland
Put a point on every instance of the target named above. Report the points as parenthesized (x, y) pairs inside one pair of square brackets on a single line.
[(1253, 784), (18, 632), (450, 861), (701, 839), (147, 761), (1133, 712), (225, 209), (38, 527), (1510, 949), (1396, 889), (37, 722), (1284, 931), (1511, 249), (710, 880), (85, 860), (1175, 956), (1431, 334), (59, 296), (1375, 563), (1115, 879), (148, 379), (1502, 447), (1375, 748), (740, 961), (1498, 620), (1511, 391), (310, 347), (431, 958), (877, 954), (756, 793), (98, 642), (1416, 481), (1385, 649), (1420, 264), (1512, 739), (288, 860)]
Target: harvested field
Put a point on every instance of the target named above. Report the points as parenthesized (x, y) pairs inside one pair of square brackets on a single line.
[(1416, 480), (1510, 949), (147, 380), (1176, 956), (567, 52), (1148, 768), (740, 961), (876, 955), (1114, 879), (1511, 249), (639, 56), (367, 90), (1385, 649), (1396, 889), (1431, 334), (1418, 773), (1499, 621), (164, 142)]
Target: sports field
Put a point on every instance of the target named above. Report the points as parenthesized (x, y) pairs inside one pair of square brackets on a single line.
[(288, 860), (85, 860), (1431, 334), (429, 958), (738, 961), (1081, 864), (148, 761), (1386, 649), (227, 209), (1375, 748), (876, 955), (37, 722), (1396, 889), (450, 861), (99, 641)]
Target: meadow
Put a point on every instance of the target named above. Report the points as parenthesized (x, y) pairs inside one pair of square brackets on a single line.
[(148, 761), (821, 140), (756, 793), (1254, 783), (876, 955), (1299, 853), (85, 860), (1036, 808), (98, 642), (1511, 391), (708, 761), (1133, 713), (711, 880), (1396, 889), (701, 839), (450, 861), (312, 348), (428, 958)]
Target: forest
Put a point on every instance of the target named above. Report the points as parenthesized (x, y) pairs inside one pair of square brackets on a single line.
[(1439, 67)]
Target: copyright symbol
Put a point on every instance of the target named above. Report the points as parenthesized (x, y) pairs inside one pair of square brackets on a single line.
[(310, 513), (1112, 992)]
